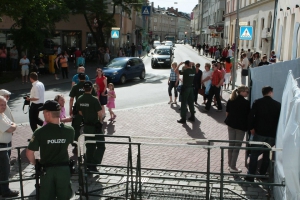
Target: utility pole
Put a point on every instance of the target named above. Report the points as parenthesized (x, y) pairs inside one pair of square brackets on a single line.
[(236, 44)]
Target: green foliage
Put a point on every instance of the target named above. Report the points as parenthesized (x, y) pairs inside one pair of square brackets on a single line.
[(34, 20), (103, 11)]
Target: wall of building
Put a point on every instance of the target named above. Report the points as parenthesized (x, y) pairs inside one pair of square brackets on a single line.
[(259, 15), (287, 31)]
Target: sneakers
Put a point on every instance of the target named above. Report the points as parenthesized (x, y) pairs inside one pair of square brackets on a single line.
[(219, 110), (170, 102), (12, 193), (57, 79), (235, 170), (181, 121)]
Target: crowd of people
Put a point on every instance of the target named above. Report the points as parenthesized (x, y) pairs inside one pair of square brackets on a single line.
[(86, 109), (260, 119)]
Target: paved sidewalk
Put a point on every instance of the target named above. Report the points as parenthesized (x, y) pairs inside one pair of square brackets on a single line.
[(157, 120)]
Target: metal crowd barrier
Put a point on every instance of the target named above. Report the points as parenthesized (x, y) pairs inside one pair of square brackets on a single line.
[(21, 179), (136, 184)]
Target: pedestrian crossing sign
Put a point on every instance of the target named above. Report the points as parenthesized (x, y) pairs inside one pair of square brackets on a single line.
[(146, 10), (246, 32), (115, 34)]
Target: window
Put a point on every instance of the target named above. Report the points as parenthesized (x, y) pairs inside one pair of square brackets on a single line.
[(155, 19)]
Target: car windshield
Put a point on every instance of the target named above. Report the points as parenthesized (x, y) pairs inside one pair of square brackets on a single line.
[(116, 63), (162, 51)]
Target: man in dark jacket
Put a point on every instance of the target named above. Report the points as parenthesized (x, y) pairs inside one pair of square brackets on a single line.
[(262, 123)]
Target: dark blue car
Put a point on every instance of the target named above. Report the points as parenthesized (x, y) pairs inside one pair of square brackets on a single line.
[(124, 68)]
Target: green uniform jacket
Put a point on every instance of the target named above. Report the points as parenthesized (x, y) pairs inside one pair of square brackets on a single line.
[(52, 140), (188, 76), (78, 90), (89, 105)]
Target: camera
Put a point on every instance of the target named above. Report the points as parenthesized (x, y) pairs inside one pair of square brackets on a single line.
[(26, 97)]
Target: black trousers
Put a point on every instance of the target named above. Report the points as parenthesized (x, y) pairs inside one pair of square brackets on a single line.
[(196, 88), (34, 119), (64, 71), (171, 86), (214, 91)]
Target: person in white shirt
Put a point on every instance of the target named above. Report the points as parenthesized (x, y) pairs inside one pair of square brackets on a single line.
[(37, 100), (206, 75), (244, 65), (24, 62), (6, 94), (7, 128), (230, 52)]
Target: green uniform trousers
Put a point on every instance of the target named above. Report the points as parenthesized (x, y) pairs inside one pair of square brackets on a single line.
[(94, 152), (56, 183), (187, 98), (76, 124)]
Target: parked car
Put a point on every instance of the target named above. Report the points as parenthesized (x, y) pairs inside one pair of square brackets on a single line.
[(162, 57), (124, 68), (156, 43), (169, 43)]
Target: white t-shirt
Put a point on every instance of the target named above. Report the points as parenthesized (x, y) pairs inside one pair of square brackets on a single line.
[(206, 74), (37, 91), (24, 61), (230, 53), (5, 124), (245, 62)]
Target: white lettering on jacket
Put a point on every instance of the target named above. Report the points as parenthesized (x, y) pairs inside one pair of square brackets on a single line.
[(84, 104), (56, 141)]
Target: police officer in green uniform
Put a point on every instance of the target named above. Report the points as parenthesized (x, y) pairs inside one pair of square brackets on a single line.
[(76, 91), (89, 108), (52, 140), (187, 91)]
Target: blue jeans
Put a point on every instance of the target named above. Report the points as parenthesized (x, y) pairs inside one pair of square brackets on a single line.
[(4, 169), (255, 154)]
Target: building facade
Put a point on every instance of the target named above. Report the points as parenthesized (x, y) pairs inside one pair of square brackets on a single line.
[(286, 41), (212, 22), (162, 24), (256, 13)]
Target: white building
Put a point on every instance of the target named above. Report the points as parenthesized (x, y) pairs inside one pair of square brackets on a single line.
[(196, 23), (287, 30), (213, 22), (256, 13)]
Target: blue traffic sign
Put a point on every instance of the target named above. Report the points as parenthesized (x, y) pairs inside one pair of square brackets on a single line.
[(146, 10), (115, 34), (246, 32)]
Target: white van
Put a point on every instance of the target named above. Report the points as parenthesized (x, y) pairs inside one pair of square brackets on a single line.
[(156, 43)]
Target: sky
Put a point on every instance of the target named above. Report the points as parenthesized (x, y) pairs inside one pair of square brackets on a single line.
[(182, 5)]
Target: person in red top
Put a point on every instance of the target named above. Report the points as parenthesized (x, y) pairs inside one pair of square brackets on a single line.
[(214, 50), (217, 80), (211, 49), (101, 81), (77, 54), (225, 53)]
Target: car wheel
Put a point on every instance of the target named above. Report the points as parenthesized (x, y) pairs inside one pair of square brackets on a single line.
[(122, 79), (142, 76), (152, 65)]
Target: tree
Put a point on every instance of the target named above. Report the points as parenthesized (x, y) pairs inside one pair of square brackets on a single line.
[(98, 15), (34, 20)]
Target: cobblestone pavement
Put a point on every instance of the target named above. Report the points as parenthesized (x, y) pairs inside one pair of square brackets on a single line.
[(158, 120)]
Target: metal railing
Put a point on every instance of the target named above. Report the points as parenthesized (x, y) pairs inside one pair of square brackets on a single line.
[(136, 184), (21, 179)]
